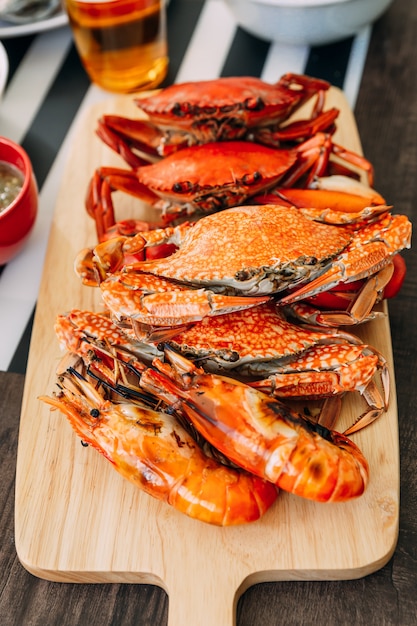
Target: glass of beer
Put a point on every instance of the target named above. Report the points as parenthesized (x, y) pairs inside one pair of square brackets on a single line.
[(121, 43)]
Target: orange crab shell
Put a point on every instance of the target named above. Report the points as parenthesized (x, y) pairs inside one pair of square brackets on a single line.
[(243, 168), (259, 333), (251, 250), (244, 99), (298, 362)]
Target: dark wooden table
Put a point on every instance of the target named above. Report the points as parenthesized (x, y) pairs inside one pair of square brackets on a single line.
[(386, 113)]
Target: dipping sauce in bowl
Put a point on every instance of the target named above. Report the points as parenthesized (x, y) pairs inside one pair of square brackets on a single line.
[(11, 183), (18, 199)]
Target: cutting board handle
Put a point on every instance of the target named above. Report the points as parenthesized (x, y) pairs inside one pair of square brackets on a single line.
[(206, 601)]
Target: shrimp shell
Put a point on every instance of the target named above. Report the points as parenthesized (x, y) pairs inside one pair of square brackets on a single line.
[(153, 451), (260, 433)]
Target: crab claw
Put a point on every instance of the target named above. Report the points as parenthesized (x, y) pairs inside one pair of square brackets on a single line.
[(333, 199), (376, 408), (347, 308), (124, 136), (333, 370), (93, 265), (156, 301), (300, 129), (371, 250)]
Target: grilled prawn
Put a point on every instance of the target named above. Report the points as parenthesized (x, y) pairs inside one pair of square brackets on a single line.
[(260, 433), (152, 450)]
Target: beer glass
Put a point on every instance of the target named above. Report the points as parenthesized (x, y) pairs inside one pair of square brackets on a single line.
[(121, 43)]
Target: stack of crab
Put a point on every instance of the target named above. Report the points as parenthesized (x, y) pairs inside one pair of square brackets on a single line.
[(212, 322)]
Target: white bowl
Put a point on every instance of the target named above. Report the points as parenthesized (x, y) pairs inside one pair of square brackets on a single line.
[(4, 68), (311, 22)]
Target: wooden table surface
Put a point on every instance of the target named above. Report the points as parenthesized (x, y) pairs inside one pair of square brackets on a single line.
[(386, 114)]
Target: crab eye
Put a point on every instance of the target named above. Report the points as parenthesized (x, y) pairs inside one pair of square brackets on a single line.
[(254, 104), (183, 187), (227, 108), (207, 110), (251, 179), (177, 110), (310, 260)]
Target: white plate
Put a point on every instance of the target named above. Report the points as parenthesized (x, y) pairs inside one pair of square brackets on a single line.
[(16, 30)]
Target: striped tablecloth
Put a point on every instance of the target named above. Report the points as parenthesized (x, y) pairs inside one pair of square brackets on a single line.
[(48, 91)]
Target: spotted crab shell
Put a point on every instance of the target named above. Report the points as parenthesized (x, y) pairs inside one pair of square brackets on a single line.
[(259, 334), (252, 250)]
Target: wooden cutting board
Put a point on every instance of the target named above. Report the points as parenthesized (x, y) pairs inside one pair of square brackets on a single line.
[(77, 520)]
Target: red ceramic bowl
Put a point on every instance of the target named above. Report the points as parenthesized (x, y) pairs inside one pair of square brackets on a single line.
[(18, 219)]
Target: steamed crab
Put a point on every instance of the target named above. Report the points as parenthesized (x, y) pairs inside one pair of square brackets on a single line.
[(211, 177), (258, 345), (236, 259), (223, 109)]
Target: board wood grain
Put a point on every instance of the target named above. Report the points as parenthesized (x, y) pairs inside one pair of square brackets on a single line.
[(77, 520)]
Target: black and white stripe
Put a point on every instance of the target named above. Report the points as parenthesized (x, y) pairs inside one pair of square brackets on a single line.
[(48, 91)]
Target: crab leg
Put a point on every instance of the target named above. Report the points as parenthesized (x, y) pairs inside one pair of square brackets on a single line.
[(299, 130), (327, 370), (303, 312), (357, 305), (317, 150), (99, 203)]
